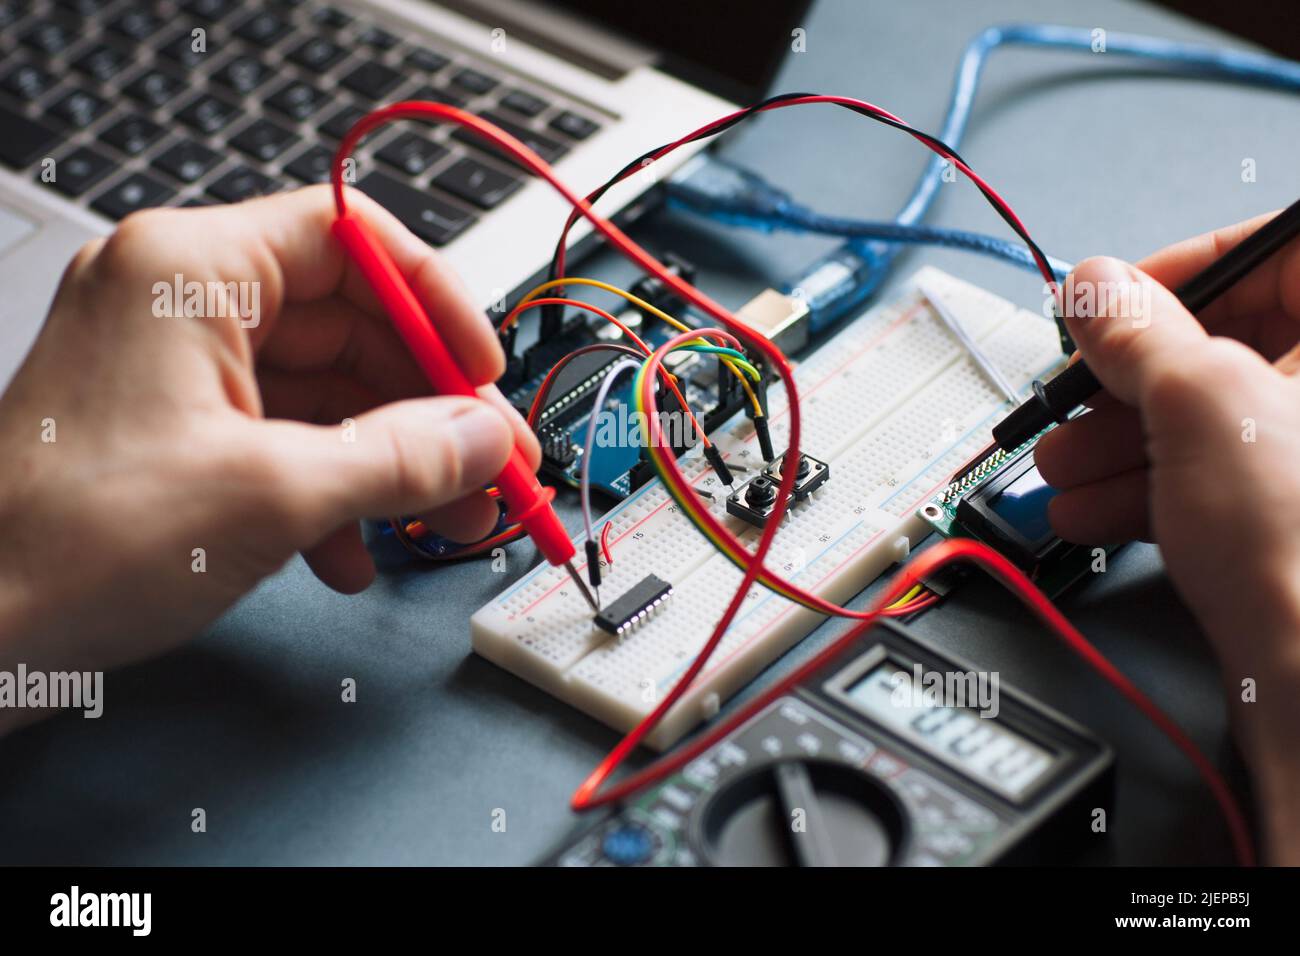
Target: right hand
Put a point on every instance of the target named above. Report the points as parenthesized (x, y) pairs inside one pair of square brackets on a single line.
[(1195, 444)]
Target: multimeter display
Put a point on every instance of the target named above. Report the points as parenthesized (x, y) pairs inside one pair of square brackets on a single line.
[(978, 746)]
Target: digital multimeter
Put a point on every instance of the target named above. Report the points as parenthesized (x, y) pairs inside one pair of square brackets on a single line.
[(894, 755)]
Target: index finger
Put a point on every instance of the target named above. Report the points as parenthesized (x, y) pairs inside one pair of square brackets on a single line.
[(296, 230), (1127, 327), (1272, 286)]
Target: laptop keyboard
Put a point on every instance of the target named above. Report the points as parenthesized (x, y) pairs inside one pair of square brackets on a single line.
[(136, 112)]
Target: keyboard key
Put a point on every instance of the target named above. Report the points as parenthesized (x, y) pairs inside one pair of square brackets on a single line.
[(242, 183), (211, 10), (78, 171), (187, 161), (422, 58), (474, 81), (80, 8), (317, 54), (132, 135), (549, 149), (137, 191), (27, 81), (331, 17), (185, 49), (9, 13), (476, 182), (154, 88), (378, 38), (263, 140), (373, 80), (136, 24), (297, 99), (49, 37), (23, 140), (524, 103), (264, 29), (438, 95), (207, 114), (411, 153), (434, 221), (79, 108), (571, 124), (337, 125), (312, 166), (243, 74), (103, 62)]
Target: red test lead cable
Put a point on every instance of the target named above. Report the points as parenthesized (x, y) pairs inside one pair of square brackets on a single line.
[(529, 503)]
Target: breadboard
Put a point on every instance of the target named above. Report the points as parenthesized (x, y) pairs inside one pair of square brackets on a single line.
[(893, 403)]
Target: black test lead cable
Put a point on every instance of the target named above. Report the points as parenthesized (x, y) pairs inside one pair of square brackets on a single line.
[(1056, 399)]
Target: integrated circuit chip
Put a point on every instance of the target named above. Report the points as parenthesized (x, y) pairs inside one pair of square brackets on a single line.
[(626, 612)]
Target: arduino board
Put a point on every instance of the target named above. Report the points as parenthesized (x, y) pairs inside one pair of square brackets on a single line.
[(893, 404)]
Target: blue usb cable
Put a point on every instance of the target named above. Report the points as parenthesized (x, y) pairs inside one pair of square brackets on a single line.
[(842, 280)]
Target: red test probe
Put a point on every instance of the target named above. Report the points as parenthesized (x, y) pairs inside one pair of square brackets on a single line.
[(530, 503)]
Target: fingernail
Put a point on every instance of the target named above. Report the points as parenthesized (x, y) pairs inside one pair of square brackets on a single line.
[(1103, 268), (483, 438)]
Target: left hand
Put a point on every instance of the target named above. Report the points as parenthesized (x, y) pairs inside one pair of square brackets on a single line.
[(218, 435)]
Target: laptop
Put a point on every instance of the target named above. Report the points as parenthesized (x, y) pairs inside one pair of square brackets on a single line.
[(191, 102)]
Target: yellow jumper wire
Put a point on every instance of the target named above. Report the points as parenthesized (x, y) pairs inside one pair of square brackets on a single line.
[(641, 304)]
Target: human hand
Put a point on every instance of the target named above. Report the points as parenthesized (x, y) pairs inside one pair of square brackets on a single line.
[(222, 432), (1196, 445)]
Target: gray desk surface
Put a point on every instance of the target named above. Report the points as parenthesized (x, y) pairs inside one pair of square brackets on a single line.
[(247, 722)]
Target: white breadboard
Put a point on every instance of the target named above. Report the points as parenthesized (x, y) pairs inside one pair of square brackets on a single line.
[(893, 403)]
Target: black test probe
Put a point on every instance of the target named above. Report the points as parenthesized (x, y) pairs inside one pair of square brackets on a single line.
[(1055, 399)]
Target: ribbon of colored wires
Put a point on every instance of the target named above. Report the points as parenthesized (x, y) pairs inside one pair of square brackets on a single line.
[(589, 793), (576, 303), (528, 301)]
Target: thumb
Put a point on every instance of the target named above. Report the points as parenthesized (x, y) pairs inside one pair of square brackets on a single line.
[(402, 458), (1127, 326)]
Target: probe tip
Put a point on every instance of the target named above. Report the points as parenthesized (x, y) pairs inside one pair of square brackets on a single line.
[(582, 588)]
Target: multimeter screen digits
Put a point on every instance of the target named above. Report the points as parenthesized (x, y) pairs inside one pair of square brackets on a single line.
[(981, 747)]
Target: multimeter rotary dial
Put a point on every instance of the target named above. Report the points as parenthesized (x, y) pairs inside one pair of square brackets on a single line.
[(800, 812)]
